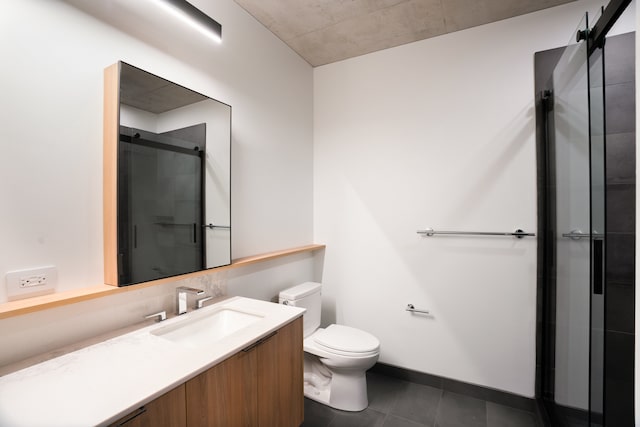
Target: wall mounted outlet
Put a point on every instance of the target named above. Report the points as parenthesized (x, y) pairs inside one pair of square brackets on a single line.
[(30, 283), (34, 280)]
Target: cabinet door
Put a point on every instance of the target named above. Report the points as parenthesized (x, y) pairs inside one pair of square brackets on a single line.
[(167, 410), (280, 378), (225, 395)]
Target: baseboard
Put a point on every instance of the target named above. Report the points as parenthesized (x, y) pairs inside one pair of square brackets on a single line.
[(488, 394)]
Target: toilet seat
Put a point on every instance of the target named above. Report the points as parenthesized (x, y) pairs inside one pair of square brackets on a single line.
[(346, 341)]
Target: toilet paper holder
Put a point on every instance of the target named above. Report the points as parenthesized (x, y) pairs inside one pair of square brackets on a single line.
[(411, 308)]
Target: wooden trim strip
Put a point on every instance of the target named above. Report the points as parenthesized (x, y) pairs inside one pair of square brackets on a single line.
[(110, 172), (58, 299)]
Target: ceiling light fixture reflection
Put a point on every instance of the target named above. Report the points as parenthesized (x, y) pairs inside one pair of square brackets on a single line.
[(193, 16)]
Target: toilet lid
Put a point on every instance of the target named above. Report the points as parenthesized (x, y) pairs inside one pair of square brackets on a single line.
[(346, 339)]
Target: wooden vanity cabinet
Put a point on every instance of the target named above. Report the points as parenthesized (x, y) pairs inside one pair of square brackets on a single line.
[(261, 386), (280, 378), (225, 394), (167, 410)]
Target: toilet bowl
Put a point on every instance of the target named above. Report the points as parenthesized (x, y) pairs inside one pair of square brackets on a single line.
[(336, 357)]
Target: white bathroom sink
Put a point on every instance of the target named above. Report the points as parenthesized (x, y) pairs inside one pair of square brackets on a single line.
[(200, 329)]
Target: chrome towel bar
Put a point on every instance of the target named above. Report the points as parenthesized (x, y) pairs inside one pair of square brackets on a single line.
[(576, 234), (518, 233), (412, 309)]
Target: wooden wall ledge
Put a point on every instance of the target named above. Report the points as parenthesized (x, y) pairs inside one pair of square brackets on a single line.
[(30, 305)]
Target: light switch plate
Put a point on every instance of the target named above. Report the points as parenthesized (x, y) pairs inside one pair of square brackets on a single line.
[(30, 283)]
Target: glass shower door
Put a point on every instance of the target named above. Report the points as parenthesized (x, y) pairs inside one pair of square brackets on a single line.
[(577, 157), (597, 235), (577, 171)]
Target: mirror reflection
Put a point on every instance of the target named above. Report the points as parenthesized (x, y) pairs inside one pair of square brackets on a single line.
[(173, 179)]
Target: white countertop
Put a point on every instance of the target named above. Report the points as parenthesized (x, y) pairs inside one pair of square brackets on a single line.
[(99, 384)]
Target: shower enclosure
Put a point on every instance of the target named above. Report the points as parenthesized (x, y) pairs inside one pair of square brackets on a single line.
[(575, 346)]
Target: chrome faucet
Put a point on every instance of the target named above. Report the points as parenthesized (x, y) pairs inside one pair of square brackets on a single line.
[(201, 301), (181, 298)]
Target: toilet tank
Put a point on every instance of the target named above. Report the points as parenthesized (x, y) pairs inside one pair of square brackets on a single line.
[(306, 295)]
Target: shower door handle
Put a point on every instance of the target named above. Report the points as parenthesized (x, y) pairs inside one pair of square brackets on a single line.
[(598, 266)]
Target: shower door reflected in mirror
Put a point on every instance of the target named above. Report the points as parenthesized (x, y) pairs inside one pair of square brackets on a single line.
[(173, 179), (160, 203)]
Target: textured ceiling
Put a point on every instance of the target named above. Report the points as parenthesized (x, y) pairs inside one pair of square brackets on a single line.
[(326, 31), (148, 92)]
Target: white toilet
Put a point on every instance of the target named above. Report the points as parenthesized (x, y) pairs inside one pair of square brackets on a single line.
[(336, 358)]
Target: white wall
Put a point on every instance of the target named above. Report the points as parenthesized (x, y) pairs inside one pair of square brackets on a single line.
[(51, 82), (437, 133)]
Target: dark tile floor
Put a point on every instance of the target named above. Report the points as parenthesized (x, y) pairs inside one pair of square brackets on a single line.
[(397, 403)]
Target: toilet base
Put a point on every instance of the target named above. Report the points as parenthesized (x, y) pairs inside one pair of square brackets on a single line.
[(323, 396), (344, 389), (318, 394)]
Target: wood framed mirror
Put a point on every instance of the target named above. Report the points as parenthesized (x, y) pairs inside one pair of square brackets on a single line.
[(167, 192)]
